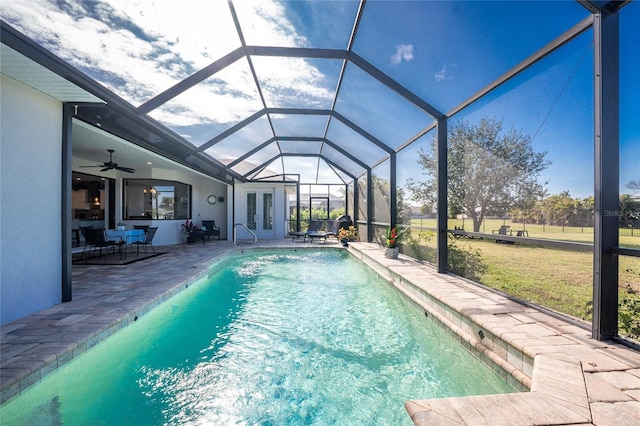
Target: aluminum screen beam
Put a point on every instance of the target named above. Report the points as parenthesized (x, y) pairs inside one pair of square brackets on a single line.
[(393, 198), (362, 132), (607, 165), (251, 152), (232, 130), (296, 138), (346, 154), (192, 80), (569, 35), (370, 205), (442, 201), (394, 85), (275, 157), (68, 111), (296, 52)]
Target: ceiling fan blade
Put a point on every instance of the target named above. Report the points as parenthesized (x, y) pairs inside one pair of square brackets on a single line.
[(110, 165), (126, 169)]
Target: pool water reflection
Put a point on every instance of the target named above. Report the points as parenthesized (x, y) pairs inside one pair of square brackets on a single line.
[(307, 337)]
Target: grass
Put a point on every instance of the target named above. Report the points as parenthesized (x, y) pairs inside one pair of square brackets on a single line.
[(558, 279), (567, 233)]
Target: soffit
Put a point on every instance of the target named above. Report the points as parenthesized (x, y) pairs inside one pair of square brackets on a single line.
[(23, 69)]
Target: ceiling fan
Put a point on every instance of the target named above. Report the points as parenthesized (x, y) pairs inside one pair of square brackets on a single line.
[(110, 165)]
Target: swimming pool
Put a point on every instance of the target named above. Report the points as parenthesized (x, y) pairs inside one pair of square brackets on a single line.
[(306, 337)]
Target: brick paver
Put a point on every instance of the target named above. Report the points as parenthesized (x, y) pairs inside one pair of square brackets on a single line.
[(573, 379)]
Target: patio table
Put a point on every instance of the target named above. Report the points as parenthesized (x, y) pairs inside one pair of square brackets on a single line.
[(129, 236)]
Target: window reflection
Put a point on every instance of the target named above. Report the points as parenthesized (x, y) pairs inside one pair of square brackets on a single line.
[(156, 199), (380, 181), (416, 202), (513, 160), (362, 199), (629, 130)]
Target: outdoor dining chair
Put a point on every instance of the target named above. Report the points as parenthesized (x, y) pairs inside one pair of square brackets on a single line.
[(147, 241)]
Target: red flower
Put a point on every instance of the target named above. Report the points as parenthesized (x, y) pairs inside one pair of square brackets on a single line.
[(393, 237)]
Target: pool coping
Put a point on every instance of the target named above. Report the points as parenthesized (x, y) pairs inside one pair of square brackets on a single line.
[(556, 364), (565, 376)]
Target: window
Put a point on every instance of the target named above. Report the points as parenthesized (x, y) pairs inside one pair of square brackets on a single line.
[(156, 199)]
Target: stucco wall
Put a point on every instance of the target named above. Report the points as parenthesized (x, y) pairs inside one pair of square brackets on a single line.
[(279, 211), (170, 231), (30, 210)]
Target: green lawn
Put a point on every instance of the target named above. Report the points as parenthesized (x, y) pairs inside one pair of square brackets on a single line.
[(557, 279), (567, 233), (554, 278)]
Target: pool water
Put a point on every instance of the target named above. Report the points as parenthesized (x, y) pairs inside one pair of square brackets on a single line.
[(279, 338)]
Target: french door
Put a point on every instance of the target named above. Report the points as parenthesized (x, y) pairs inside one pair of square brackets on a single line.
[(260, 212)]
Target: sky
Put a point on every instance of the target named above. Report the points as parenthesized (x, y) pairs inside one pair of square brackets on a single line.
[(443, 52)]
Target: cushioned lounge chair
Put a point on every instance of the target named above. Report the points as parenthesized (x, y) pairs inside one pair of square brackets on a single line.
[(331, 231), (314, 226), (332, 227), (320, 235)]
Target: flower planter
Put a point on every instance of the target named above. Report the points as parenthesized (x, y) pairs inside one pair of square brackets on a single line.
[(391, 253)]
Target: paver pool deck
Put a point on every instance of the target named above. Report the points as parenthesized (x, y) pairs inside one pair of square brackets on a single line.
[(566, 377)]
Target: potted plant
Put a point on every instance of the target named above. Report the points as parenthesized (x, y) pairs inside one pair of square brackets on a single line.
[(347, 234), (393, 238), (188, 226)]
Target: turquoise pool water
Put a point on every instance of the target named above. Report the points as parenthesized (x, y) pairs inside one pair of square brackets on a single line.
[(279, 338)]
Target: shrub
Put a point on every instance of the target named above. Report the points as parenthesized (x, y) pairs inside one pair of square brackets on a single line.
[(629, 314), (465, 261)]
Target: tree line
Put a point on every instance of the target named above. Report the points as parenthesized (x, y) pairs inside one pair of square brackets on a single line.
[(563, 210), (494, 172)]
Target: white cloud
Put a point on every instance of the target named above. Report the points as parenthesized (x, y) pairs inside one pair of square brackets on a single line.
[(444, 73), (265, 23), (403, 52), (138, 49), (288, 82)]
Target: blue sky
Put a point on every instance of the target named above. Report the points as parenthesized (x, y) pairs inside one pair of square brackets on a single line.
[(443, 51)]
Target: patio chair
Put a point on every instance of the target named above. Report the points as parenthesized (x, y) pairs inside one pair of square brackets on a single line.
[(196, 235), (145, 228), (314, 226), (331, 231), (147, 241), (504, 230), (332, 227), (88, 239), (211, 230), (97, 240)]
